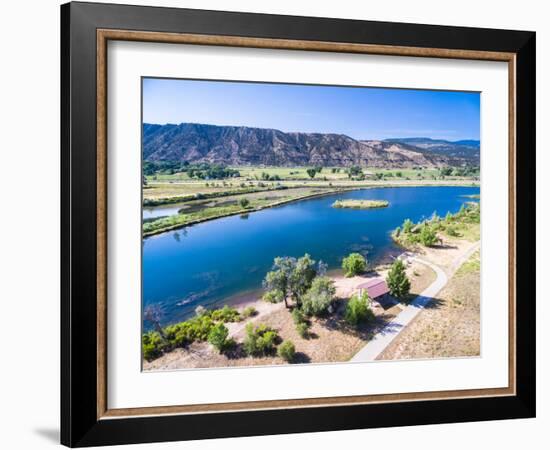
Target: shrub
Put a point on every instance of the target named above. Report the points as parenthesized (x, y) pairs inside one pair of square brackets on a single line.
[(354, 264), (303, 329), (260, 340), (452, 231), (397, 280), (358, 310), (287, 351), (244, 202), (152, 345), (319, 297), (249, 311), (273, 296), (218, 336), (183, 333), (226, 314), (298, 316)]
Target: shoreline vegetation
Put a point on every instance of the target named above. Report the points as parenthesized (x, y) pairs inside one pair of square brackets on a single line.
[(305, 316), (429, 232), (360, 204), (243, 190)]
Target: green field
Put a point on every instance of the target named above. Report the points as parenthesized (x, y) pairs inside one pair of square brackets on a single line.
[(261, 187)]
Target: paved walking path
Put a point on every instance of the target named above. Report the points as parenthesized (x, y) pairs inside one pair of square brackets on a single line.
[(390, 331)]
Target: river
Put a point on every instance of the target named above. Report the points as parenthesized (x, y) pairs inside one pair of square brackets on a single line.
[(209, 263)]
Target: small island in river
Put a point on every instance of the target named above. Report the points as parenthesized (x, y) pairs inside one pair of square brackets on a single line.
[(360, 204)]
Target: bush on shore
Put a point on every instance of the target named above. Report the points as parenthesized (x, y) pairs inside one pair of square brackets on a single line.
[(196, 329), (354, 264), (358, 310), (259, 340), (287, 351), (319, 297), (218, 336)]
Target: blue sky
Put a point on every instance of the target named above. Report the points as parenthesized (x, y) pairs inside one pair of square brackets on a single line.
[(362, 113)]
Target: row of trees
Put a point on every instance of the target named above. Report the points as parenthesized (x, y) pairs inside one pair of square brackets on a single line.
[(200, 171)]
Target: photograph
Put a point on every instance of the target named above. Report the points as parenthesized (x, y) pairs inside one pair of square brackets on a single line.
[(307, 224)]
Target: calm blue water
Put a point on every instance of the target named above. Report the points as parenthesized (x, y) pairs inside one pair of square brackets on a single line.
[(208, 263)]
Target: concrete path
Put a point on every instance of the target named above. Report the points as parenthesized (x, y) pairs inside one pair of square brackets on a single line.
[(383, 338)]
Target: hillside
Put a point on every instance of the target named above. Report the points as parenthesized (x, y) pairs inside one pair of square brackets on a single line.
[(260, 146)]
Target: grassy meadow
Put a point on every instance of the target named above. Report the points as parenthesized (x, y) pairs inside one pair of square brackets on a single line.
[(252, 188)]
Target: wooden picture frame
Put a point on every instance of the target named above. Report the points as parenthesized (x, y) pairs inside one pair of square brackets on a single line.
[(85, 417)]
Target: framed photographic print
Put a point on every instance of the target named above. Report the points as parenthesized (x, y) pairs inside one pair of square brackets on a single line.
[(277, 224)]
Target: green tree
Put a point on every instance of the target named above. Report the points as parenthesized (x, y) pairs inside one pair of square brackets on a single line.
[(397, 280), (358, 310), (354, 171), (302, 276), (354, 264), (277, 281), (319, 297), (218, 336), (428, 237), (311, 172), (244, 202)]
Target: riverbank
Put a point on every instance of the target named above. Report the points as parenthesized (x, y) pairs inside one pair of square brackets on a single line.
[(184, 220), (329, 339), (176, 221)]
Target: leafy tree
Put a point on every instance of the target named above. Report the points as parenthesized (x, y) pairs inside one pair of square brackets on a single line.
[(244, 202), (278, 280), (399, 174), (354, 264), (397, 280), (354, 171), (318, 169), (291, 277), (358, 310), (218, 336), (302, 276), (311, 173), (319, 297), (428, 236), (445, 171), (287, 351)]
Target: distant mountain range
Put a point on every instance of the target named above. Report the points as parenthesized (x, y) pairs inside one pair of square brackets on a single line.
[(230, 145)]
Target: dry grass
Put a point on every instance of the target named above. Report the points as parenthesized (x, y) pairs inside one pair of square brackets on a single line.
[(449, 326)]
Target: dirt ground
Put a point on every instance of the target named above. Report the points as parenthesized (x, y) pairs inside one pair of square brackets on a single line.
[(449, 326)]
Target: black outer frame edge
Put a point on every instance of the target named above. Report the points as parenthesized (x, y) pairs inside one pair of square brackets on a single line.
[(525, 222), (65, 226), (79, 426)]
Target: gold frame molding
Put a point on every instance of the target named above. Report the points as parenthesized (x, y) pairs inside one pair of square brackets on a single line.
[(105, 35)]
